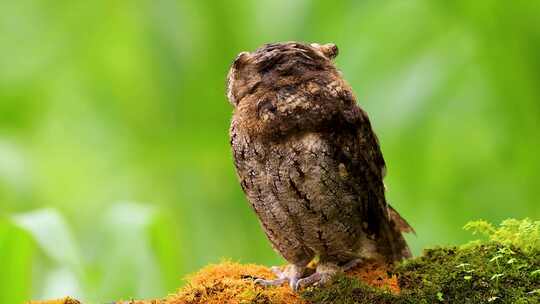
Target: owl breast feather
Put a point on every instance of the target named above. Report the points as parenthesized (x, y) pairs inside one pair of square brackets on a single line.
[(306, 199)]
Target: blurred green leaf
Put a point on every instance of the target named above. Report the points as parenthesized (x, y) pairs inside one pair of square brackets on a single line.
[(168, 246), (52, 234), (16, 254), (54, 239), (126, 249)]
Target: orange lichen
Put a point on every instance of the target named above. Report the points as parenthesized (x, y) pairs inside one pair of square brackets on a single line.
[(158, 301), (67, 300), (234, 283), (376, 275)]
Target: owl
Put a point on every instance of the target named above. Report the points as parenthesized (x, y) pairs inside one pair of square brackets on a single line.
[(309, 163)]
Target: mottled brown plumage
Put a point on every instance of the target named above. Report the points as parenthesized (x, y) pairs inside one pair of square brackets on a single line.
[(309, 162)]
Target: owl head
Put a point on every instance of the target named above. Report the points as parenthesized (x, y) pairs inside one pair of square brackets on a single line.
[(276, 61), (289, 87)]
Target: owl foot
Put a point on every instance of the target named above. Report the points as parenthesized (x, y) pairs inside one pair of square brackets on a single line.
[(291, 273), (351, 264), (325, 272)]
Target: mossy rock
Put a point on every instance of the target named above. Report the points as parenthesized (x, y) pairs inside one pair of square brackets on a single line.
[(505, 268), (481, 273), (487, 273)]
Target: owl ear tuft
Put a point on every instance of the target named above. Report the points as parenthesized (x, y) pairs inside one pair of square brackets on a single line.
[(237, 65), (240, 60), (329, 50)]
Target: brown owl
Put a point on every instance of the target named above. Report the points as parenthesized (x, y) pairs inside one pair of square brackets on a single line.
[(310, 163)]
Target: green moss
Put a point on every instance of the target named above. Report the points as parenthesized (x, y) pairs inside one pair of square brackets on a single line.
[(346, 290), (522, 234), (477, 274), (503, 269)]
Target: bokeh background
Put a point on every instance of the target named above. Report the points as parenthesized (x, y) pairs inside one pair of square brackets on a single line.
[(116, 178)]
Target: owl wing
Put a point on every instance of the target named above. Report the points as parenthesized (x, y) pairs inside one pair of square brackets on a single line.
[(368, 170), (370, 150), (371, 153)]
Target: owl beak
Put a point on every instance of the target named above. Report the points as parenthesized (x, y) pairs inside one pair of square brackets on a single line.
[(329, 50)]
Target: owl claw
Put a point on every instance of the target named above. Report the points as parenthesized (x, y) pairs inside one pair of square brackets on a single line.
[(351, 264), (316, 279), (276, 270), (267, 283), (307, 281), (290, 274), (323, 275), (295, 275)]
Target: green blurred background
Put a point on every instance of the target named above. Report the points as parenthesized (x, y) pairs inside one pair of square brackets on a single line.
[(116, 178)]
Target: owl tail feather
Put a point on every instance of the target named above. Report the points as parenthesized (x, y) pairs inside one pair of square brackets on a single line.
[(399, 221), (392, 244)]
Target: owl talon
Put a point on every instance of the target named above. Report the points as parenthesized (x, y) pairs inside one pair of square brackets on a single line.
[(323, 275), (351, 264), (276, 270), (290, 274), (267, 283), (308, 281), (317, 279)]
